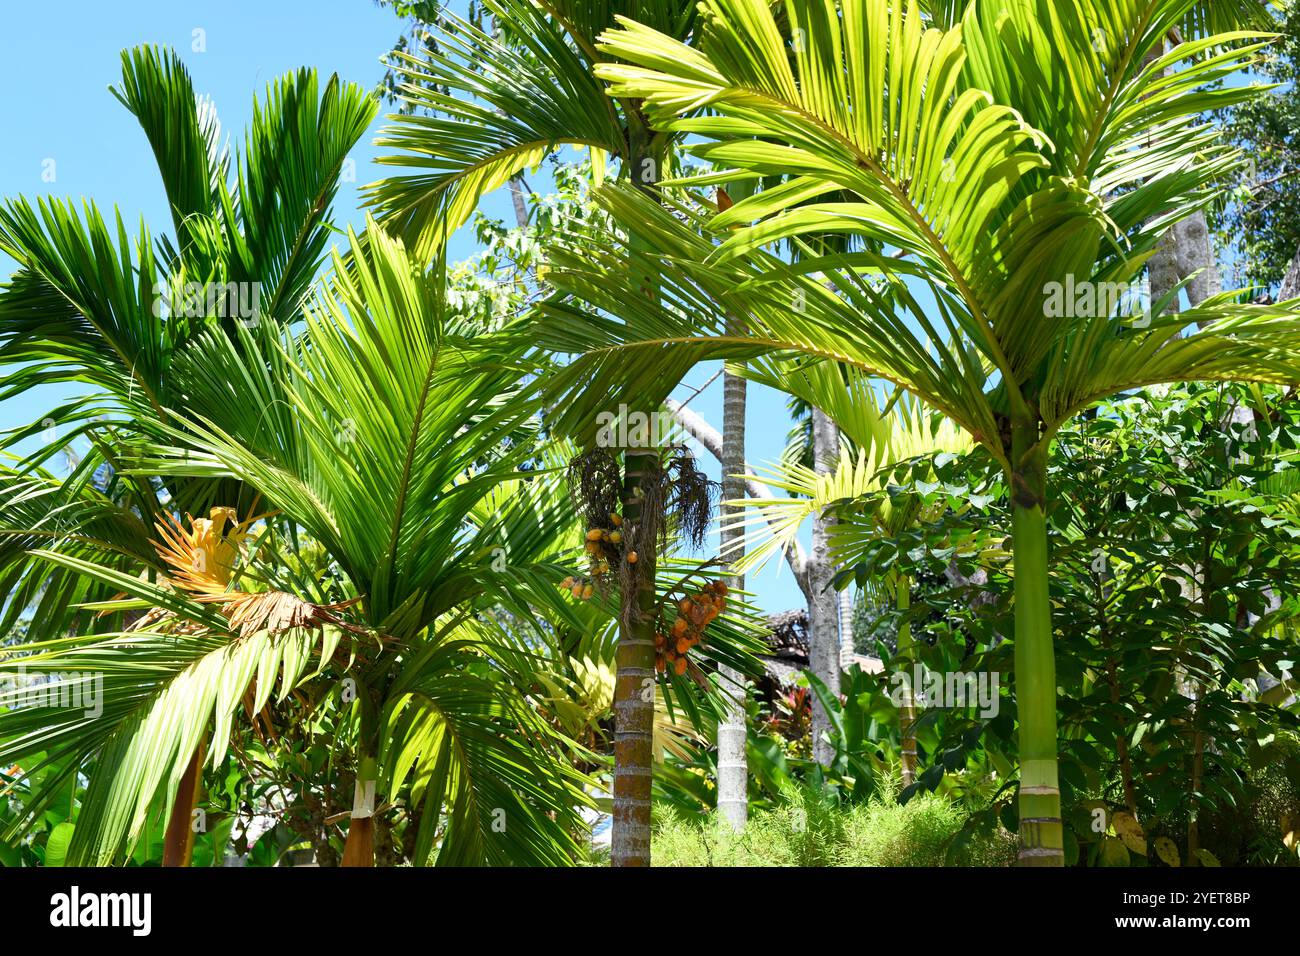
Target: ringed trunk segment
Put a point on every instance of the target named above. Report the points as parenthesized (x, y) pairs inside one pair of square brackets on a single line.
[(1041, 842), (733, 769), (824, 656), (634, 688), (634, 682)]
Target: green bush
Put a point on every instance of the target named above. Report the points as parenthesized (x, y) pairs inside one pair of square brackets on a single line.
[(809, 830)]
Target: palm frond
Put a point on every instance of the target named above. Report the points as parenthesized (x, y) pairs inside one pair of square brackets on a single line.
[(491, 110)]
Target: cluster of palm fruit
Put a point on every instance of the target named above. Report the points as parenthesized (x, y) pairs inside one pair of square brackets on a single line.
[(694, 613), (603, 546)]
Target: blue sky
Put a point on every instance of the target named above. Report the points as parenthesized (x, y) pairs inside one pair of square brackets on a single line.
[(58, 121)]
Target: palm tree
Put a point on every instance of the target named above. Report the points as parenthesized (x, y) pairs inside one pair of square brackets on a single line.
[(379, 433), (1001, 160), (90, 305), (494, 106)]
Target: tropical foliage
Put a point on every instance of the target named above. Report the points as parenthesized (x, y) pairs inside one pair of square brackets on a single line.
[(370, 557)]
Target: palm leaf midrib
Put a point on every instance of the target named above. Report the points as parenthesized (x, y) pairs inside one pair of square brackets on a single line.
[(903, 198)]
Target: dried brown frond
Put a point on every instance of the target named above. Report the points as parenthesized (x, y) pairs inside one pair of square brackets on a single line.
[(275, 611), (203, 559)]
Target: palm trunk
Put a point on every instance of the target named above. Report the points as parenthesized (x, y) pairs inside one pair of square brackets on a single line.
[(517, 199), (634, 699), (823, 636), (1290, 287), (359, 850), (1040, 794), (847, 650), (178, 842), (907, 712), (634, 687), (732, 767)]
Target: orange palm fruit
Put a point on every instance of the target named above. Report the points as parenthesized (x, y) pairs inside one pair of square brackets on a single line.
[(660, 664), (587, 592), (679, 668), (679, 627), (594, 534), (631, 557), (616, 520), (683, 645)]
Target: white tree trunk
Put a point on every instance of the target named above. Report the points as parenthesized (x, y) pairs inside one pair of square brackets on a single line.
[(517, 200), (1291, 281), (711, 439), (846, 628), (733, 778), (823, 603)]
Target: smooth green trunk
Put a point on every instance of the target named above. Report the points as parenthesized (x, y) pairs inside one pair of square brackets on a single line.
[(1035, 678)]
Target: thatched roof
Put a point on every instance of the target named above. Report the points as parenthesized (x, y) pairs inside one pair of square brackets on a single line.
[(787, 640)]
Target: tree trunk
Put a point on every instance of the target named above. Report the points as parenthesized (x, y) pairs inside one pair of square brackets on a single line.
[(359, 850), (1291, 280), (1183, 250), (823, 629), (634, 689), (907, 710), (1035, 678), (178, 842), (1121, 746), (847, 650), (517, 199), (634, 683), (733, 778), (711, 440)]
